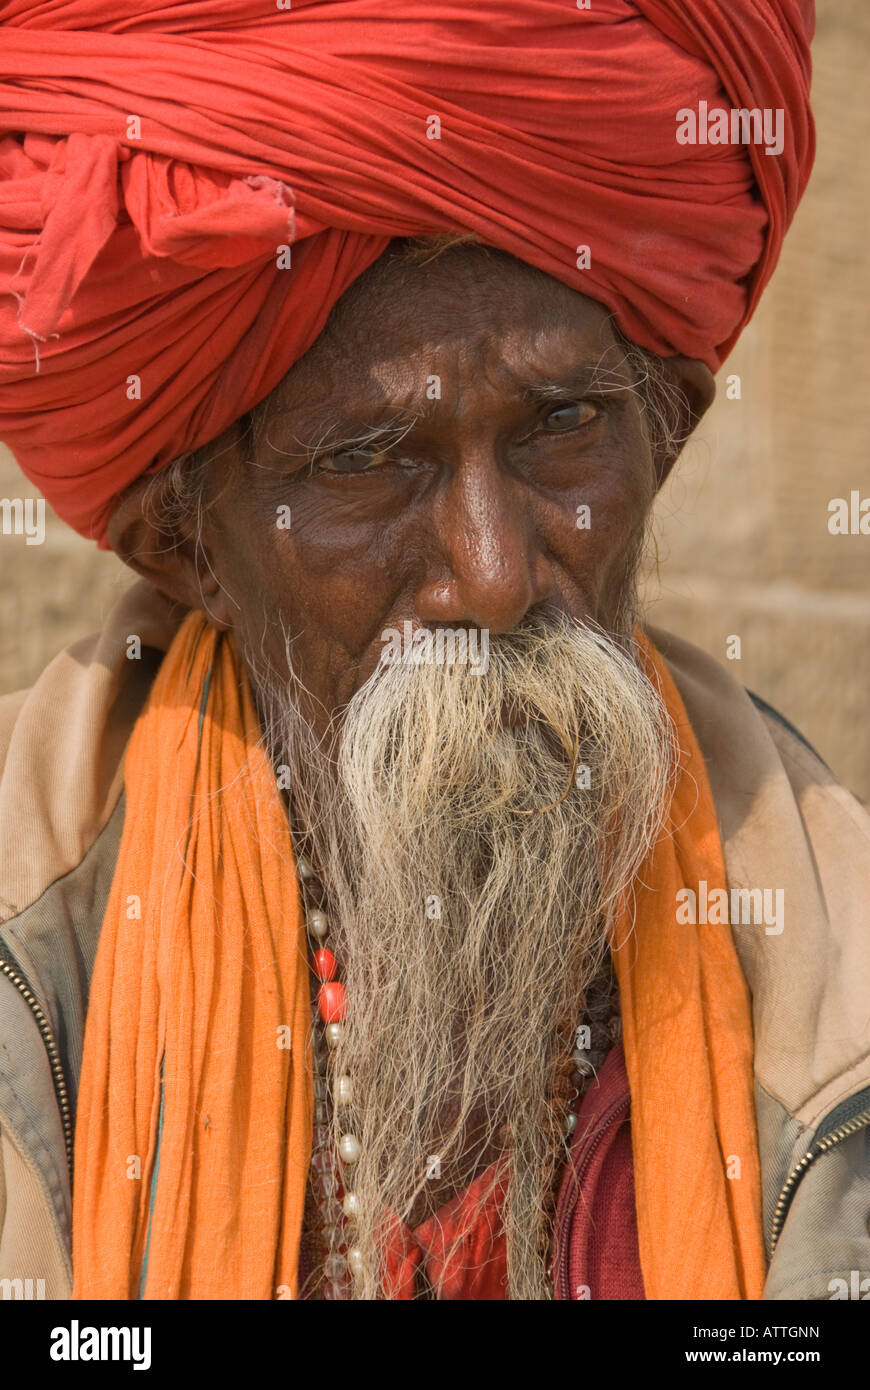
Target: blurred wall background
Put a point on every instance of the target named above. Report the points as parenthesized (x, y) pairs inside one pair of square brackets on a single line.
[(742, 525), (744, 545)]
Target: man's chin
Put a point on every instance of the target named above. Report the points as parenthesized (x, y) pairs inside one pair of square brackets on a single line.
[(468, 905)]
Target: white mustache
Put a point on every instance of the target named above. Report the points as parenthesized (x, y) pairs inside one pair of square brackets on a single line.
[(470, 882)]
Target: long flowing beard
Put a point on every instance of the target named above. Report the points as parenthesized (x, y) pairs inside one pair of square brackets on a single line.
[(472, 873)]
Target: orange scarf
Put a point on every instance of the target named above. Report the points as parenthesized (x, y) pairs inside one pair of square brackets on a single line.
[(687, 1033), (201, 979), (203, 972)]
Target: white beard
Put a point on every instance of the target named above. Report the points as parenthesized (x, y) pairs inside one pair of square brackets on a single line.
[(470, 884)]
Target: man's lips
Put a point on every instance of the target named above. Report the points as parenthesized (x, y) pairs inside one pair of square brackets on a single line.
[(507, 719), (512, 715)]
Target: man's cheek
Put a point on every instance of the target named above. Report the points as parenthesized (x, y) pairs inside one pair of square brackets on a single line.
[(604, 533)]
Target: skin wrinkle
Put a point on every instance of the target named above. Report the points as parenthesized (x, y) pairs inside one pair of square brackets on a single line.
[(339, 358), (402, 778), (380, 553)]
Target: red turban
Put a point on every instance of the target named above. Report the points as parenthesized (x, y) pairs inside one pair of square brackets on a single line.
[(154, 160)]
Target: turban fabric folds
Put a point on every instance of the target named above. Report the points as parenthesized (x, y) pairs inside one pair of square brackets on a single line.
[(186, 190)]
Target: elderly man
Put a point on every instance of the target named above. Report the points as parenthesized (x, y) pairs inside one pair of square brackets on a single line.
[(385, 912)]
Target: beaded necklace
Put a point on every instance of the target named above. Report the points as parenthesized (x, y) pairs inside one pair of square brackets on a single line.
[(332, 1205)]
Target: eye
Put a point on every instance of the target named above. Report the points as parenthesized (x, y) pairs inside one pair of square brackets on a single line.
[(570, 416), (350, 461)]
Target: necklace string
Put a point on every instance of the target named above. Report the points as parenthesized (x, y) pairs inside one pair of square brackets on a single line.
[(334, 1201)]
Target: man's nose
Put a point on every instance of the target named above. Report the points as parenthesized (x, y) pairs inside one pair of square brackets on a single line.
[(485, 566)]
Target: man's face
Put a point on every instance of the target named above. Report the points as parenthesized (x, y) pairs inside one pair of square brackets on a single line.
[(490, 403), (458, 414)]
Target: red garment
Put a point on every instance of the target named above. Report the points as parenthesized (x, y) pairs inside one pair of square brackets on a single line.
[(596, 1248), (161, 156), (476, 1270), (597, 1254)]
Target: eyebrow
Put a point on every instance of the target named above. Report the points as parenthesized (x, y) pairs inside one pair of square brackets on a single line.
[(582, 381), (329, 437), (335, 434)]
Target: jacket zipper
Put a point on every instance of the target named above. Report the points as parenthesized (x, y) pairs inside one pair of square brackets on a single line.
[(819, 1146), (786, 1196), (60, 1086), (617, 1108)]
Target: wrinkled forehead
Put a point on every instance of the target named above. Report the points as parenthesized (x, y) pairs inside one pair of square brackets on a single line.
[(454, 303)]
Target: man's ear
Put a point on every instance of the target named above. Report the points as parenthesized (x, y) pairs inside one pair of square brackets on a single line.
[(694, 390), (176, 563)]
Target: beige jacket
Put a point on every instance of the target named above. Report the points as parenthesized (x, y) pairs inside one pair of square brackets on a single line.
[(785, 822)]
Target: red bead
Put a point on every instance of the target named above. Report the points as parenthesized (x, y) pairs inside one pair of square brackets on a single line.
[(331, 1002), (324, 964)]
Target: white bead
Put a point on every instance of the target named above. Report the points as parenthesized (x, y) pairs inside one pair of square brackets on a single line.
[(343, 1090), (355, 1260), (349, 1148), (570, 1122), (350, 1204), (304, 869), (334, 1034), (318, 924)]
